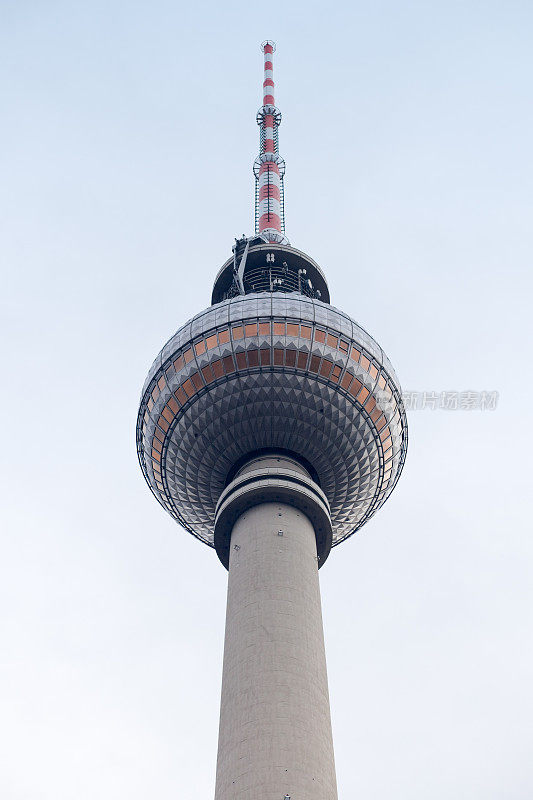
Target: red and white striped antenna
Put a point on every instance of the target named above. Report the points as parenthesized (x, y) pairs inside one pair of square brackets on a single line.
[(269, 167)]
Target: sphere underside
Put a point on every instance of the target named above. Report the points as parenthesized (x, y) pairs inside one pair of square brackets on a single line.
[(271, 371)]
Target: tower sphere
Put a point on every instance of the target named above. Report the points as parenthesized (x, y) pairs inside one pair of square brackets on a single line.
[(271, 366)]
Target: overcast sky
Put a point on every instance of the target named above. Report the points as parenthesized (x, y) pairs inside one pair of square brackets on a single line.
[(128, 136)]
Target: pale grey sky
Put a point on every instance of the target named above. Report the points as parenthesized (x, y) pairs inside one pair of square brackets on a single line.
[(407, 133)]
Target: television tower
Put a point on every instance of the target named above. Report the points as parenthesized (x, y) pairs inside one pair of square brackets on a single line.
[(271, 427)]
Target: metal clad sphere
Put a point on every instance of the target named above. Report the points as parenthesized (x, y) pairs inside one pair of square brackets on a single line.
[(271, 370)]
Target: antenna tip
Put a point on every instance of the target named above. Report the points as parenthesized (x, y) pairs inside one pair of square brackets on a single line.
[(268, 42)]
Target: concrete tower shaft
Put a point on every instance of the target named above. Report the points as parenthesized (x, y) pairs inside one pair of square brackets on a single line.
[(275, 735)]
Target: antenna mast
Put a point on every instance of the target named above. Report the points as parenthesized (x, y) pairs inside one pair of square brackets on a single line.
[(269, 167)]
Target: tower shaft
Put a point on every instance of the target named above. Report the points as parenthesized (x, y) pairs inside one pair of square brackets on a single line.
[(275, 730)]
